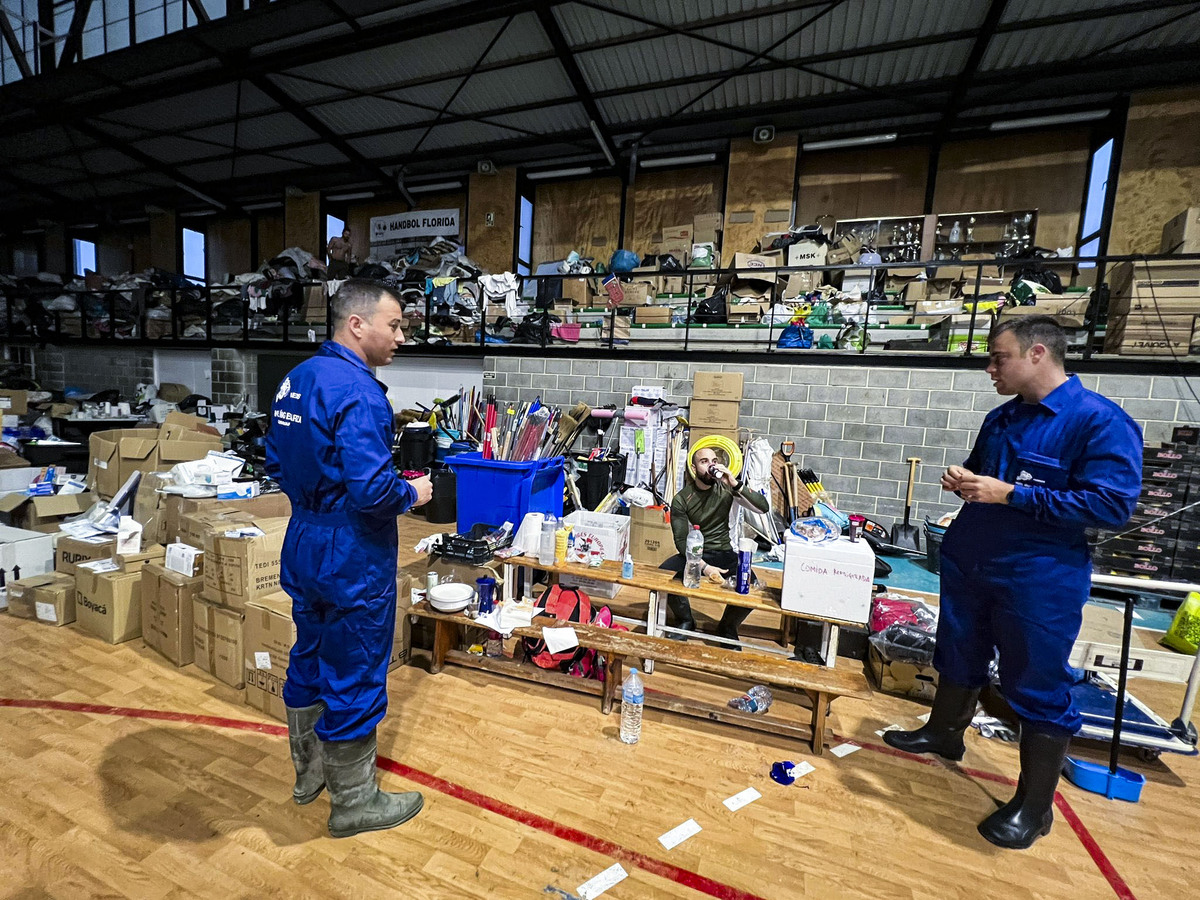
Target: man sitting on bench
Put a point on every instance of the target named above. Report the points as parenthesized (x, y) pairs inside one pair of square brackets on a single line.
[(705, 500)]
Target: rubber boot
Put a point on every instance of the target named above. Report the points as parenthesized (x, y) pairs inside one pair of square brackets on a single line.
[(681, 611), (953, 709), (356, 802), (1030, 814), (731, 619), (306, 752)]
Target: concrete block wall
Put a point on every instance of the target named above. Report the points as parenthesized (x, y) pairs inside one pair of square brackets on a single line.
[(854, 425), (95, 368), (234, 376)]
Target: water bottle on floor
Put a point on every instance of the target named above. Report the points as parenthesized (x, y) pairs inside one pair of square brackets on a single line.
[(693, 567), (633, 697), (756, 700)]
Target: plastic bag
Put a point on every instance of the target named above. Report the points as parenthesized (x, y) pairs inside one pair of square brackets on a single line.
[(889, 610), (1184, 633), (905, 643)]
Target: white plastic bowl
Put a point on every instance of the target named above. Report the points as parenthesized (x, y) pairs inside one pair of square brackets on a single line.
[(451, 597)]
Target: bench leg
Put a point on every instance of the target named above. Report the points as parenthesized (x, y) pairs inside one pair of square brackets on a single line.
[(655, 613), (829, 644), (612, 681), (785, 622), (445, 636), (820, 704)]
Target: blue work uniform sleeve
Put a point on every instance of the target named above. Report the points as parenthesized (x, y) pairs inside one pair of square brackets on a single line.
[(1102, 490), (362, 436)]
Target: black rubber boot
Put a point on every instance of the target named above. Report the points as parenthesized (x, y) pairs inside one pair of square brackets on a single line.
[(306, 752), (355, 800), (953, 709), (1030, 814), (681, 611), (731, 620)]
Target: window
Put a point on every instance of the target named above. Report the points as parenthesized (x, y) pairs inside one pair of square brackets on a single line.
[(85, 256), (525, 237), (333, 228), (1093, 206), (195, 265)]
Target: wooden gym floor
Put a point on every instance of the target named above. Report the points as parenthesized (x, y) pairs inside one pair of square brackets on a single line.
[(121, 776)]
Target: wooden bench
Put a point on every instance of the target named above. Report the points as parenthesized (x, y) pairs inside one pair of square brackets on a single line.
[(820, 683)]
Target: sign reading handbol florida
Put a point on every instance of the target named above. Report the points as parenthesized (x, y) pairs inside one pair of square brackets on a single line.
[(410, 229)]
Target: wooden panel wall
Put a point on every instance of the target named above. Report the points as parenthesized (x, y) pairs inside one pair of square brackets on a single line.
[(227, 244), (858, 183), (660, 199), (1160, 168), (576, 215), (270, 238), (1044, 170), (758, 194), (302, 222), (164, 239), (491, 246), (358, 216)]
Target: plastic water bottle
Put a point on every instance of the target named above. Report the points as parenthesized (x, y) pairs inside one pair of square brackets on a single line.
[(693, 568), (633, 697), (756, 700), (546, 547), (627, 565)]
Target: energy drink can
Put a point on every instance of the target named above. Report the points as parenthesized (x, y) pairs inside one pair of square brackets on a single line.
[(745, 554)]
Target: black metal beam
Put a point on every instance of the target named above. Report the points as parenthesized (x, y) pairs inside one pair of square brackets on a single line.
[(36, 188), (45, 19), (73, 45), (14, 46), (201, 13), (583, 90)]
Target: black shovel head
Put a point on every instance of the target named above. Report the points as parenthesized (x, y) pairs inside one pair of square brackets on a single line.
[(906, 536)]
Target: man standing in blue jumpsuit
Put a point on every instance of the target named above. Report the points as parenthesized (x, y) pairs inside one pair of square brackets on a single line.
[(1016, 572), (330, 448)]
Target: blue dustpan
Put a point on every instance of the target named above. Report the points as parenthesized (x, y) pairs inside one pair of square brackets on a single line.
[(1123, 784)]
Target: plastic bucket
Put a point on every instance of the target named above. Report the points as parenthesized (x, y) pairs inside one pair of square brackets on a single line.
[(933, 549), (444, 506), (493, 492)]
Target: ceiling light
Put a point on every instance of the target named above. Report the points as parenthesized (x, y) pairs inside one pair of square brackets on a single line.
[(664, 161), (434, 186), (255, 207), (86, 225), (560, 173), (357, 195), (835, 143), (1090, 115), (137, 220), (197, 213)]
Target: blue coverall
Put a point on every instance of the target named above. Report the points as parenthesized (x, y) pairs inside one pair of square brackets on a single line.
[(1016, 577), (329, 447)]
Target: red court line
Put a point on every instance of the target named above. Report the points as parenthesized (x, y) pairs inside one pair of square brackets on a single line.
[(657, 867)]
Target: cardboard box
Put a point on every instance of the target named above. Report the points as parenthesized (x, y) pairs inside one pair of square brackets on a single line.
[(828, 581), (45, 598), (14, 403), (705, 228), (1068, 310), (746, 313), (577, 291), (109, 605), (149, 507), (1182, 233), (316, 307), (720, 414), (677, 234), (807, 253), (651, 541), (70, 551), (24, 554), (116, 454), (402, 640), (718, 386), (652, 315), (268, 636), (239, 569), (217, 642), (135, 562), (905, 679), (185, 560), (639, 293), (593, 587), (608, 533), (195, 527), (167, 613), (42, 513)]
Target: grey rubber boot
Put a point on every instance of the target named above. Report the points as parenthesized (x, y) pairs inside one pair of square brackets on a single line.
[(356, 802), (306, 752)]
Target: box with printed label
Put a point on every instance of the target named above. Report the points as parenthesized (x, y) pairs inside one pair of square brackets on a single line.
[(185, 560), (599, 531), (14, 403), (45, 598), (238, 569), (24, 554), (167, 613), (217, 642), (109, 604), (828, 581), (71, 551), (651, 541), (268, 636), (720, 414), (718, 386)]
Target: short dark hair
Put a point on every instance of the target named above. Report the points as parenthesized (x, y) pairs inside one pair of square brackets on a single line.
[(358, 297), (1030, 330)]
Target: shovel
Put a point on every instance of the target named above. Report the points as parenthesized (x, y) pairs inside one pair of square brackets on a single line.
[(905, 535)]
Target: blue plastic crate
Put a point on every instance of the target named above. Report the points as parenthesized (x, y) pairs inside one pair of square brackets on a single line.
[(495, 492)]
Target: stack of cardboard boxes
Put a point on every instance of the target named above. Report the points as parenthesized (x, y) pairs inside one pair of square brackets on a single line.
[(1154, 308), (115, 455), (716, 404)]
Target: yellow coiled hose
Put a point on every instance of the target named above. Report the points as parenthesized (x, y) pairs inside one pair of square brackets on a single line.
[(722, 443)]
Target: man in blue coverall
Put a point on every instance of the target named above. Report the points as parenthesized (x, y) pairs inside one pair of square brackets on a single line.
[(1016, 572), (330, 449)]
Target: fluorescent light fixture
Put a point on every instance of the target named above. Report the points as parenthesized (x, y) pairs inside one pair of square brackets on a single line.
[(356, 195), (560, 173), (255, 207), (197, 213), (34, 231), (865, 139), (600, 140), (664, 161), (433, 186), (1090, 115), (136, 220), (199, 195), (86, 225)]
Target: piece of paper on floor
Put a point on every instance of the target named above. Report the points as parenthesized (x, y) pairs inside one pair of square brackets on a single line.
[(740, 799), (924, 718), (594, 887), (844, 749), (679, 834), (800, 769), (881, 731), (560, 639)]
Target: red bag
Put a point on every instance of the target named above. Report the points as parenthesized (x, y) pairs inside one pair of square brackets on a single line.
[(567, 605)]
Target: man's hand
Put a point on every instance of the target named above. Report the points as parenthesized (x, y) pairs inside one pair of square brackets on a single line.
[(724, 476), (715, 575), (953, 477), (424, 490), (983, 489)]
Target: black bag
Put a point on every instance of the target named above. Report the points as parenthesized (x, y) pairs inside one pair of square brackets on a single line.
[(711, 310)]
